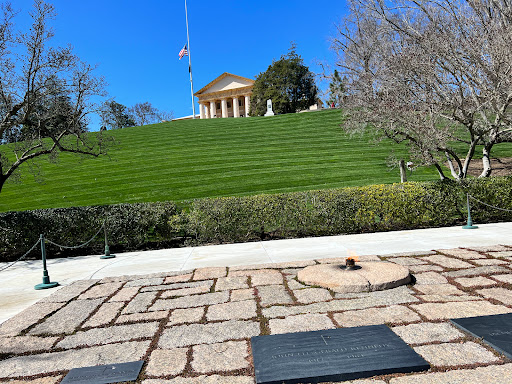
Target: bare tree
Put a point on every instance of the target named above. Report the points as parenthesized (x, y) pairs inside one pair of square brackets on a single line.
[(144, 113), (45, 94), (435, 74)]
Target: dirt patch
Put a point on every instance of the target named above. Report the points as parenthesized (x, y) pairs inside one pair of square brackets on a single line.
[(500, 167)]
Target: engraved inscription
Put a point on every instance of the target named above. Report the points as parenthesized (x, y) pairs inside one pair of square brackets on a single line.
[(498, 333), (332, 351)]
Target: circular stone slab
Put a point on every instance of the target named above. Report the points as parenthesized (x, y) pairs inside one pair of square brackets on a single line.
[(372, 276)]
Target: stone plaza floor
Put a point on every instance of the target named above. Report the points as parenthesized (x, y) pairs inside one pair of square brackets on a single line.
[(194, 326)]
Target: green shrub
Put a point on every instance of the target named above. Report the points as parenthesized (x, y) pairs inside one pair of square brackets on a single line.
[(129, 227), (259, 217)]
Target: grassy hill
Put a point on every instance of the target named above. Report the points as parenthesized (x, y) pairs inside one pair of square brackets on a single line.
[(184, 160)]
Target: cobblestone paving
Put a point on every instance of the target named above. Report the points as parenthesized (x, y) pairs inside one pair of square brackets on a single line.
[(195, 326)]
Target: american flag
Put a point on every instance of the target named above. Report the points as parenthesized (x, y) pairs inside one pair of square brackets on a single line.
[(183, 52)]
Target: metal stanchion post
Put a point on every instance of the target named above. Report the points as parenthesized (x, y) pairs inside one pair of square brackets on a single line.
[(46, 278), (469, 225), (107, 250)]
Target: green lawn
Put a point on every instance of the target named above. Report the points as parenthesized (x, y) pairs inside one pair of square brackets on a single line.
[(205, 158)]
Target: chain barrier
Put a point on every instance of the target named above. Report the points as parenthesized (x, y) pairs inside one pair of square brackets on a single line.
[(489, 205), (22, 257), (77, 246)]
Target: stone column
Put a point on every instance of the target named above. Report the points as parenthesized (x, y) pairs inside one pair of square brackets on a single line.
[(224, 107), (236, 109), (247, 104), (207, 111), (201, 110), (212, 109)]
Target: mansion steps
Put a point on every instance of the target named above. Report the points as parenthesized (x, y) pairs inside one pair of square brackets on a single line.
[(227, 96)]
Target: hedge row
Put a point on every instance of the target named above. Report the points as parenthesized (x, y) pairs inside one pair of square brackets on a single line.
[(238, 219)]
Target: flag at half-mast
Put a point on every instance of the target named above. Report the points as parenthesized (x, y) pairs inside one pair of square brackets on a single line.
[(183, 52)]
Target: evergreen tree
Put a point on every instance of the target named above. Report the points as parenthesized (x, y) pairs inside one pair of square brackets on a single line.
[(288, 82), (337, 90)]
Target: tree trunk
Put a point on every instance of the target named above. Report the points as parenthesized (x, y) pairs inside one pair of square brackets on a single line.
[(486, 161), (403, 171), (2, 181), (440, 171)]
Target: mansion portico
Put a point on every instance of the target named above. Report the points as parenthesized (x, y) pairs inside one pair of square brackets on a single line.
[(227, 96)]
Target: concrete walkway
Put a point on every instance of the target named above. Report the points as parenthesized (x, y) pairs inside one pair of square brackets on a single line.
[(17, 292)]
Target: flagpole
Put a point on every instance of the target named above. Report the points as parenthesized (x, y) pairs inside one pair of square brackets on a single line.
[(190, 66)]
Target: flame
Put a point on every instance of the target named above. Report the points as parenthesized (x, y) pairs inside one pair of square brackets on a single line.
[(352, 255)]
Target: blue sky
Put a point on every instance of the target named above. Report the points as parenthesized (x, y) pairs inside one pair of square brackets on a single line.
[(136, 44)]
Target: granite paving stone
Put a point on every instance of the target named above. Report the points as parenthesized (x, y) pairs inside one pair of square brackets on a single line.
[(100, 336), (490, 248), (22, 344), (447, 298), (267, 278), (210, 273), (191, 301), (490, 261), (501, 294), (294, 284), (477, 271), (400, 295), (69, 292), (140, 303), (462, 253), (260, 277), (373, 316), (430, 278), (475, 281), (68, 318), (214, 379), (226, 283), (164, 362), (312, 295), (189, 315), (407, 261), (411, 254), (220, 357), (243, 294), (184, 292), (178, 278), (425, 268), (494, 374), (439, 289), (504, 278), (501, 254), (118, 279), (41, 380), (125, 294), (452, 354), (145, 282), (232, 311), (76, 358), (424, 333), (190, 284), (453, 310), (266, 266), (447, 262), (291, 272), (142, 317), (300, 323), (105, 315), (193, 334), (27, 318), (100, 290), (273, 294)]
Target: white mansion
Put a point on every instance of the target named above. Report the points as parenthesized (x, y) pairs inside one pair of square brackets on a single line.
[(227, 96)]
